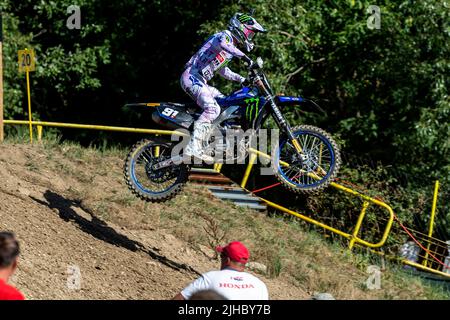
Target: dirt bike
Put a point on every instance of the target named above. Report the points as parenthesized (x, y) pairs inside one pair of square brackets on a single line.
[(305, 160)]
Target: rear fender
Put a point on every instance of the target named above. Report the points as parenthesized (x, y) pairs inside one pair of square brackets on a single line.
[(169, 114)]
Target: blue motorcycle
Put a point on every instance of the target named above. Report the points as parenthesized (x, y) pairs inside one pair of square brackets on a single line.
[(306, 158)]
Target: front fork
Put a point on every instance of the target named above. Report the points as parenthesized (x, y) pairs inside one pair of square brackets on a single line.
[(284, 126)]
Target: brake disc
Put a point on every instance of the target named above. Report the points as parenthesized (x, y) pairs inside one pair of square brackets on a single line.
[(161, 175)]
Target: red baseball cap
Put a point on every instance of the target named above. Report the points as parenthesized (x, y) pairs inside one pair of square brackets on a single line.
[(236, 251)]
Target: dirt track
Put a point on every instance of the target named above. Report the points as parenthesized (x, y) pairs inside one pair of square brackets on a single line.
[(57, 231)]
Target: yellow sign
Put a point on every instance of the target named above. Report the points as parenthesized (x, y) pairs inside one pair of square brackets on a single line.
[(26, 60)]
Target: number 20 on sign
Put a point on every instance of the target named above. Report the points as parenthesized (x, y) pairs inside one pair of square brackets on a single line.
[(26, 60), (27, 64)]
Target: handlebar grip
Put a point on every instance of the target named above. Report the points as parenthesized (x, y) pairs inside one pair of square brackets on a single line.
[(247, 61)]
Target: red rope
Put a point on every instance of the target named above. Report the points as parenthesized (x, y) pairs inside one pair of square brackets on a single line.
[(268, 187), (419, 244)]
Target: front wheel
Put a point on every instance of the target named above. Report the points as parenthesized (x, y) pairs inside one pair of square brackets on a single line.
[(148, 184), (317, 165)]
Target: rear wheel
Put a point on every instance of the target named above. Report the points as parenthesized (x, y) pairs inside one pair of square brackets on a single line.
[(153, 185), (317, 166)]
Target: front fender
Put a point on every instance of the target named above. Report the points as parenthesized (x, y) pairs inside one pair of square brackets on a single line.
[(288, 101), (304, 103)]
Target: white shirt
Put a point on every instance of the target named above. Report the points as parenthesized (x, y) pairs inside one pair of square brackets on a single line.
[(232, 284)]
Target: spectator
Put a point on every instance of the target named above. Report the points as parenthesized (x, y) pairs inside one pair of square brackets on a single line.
[(410, 251), (231, 281), (9, 252)]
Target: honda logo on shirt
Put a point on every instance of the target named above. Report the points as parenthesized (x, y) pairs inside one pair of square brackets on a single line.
[(236, 286)]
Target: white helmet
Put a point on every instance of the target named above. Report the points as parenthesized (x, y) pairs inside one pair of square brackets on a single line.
[(244, 28)]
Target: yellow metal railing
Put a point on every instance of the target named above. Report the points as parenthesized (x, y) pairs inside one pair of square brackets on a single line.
[(433, 214), (352, 237), (41, 124), (412, 264)]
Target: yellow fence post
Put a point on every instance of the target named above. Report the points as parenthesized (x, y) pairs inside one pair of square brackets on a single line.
[(358, 225), (27, 64), (433, 214), (39, 133), (218, 167), (251, 162), (157, 151), (29, 106)]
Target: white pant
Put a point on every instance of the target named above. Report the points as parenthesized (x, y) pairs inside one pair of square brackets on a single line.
[(203, 94)]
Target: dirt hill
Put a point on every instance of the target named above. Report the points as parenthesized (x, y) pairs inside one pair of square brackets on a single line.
[(70, 209)]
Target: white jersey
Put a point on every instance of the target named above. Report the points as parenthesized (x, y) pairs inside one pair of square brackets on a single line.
[(232, 284)]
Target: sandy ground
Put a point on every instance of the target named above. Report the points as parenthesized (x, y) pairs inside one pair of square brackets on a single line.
[(62, 238)]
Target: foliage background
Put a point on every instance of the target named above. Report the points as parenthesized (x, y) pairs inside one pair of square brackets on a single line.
[(385, 91)]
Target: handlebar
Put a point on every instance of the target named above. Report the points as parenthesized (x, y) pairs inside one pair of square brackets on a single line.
[(253, 65)]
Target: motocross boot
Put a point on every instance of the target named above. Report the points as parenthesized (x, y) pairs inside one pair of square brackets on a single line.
[(199, 138)]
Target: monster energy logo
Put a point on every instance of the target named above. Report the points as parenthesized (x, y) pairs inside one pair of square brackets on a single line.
[(244, 18), (252, 105)]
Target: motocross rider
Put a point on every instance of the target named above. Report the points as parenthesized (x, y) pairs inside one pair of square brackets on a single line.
[(214, 56)]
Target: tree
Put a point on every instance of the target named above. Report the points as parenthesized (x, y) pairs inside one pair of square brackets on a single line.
[(387, 88)]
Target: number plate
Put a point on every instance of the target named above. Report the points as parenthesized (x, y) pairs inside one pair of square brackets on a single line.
[(169, 112)]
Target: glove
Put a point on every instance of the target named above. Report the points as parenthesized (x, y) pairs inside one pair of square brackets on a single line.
[(245, 83), (248, 62)]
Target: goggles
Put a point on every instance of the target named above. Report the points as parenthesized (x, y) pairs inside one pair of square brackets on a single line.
[(249, 34)]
